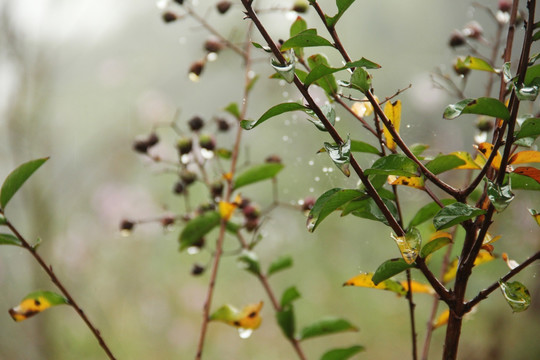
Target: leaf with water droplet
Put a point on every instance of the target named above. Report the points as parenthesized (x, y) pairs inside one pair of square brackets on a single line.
[(329, 114), (516, 295), (273, 111), (326, 326), (388, 269), (342, 354), (409, 244), (340, 155), (454, 214), (528, 93), (481, 106), (323, 69), (328, 202), (359, 146), (536, 215), (262, 47), (427, 212), (474, 63), (500, 196), (286, 71), (35, 303)]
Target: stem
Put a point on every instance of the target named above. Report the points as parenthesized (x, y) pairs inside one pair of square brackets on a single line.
[(412, 306), (71, 301)]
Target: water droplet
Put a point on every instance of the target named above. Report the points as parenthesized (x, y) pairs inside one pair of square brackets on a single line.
[(301, 202), (282, 82), (212, 56), (287, 122), (162, 4), (125, 232), (311, 189), (311, 162), (285, 138), (330, 170), (207, 154), (311, 224), (182, 40), (185, 158), (317, 178), (192, 250), (408, 126), (337, 118), (251, 74), (194, 77), (245, 333)]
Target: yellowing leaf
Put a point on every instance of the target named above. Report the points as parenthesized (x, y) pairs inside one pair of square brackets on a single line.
[(393, 112), (522, 157), (416, 182), (362, 108), (247, 318), (364, 280), (440, 234), (227, 176), (528, 171), (418, 287), (485, 149), (488, 239), (226, 209), (442, 319), (35, 303), (535, 215), (483, 257), (409, 245), (469, 162)]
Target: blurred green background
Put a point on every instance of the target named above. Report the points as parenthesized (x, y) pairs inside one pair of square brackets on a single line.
[(80, 80)]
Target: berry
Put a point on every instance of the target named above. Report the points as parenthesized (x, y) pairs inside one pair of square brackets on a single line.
[(207, 142), (308, 204), (456, 39), (251, 212), (196, 123), (127, 225), (188, 177), (213, 46), (184, 145), (197, 269), (300, 6), (505, 5), (223, 6), (196, 68), (223, 125), (179, 188), (216, 189), (169, 17), (273, 159)]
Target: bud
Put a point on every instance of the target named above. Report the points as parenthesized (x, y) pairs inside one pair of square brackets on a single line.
[(223, 125), (188, 177), (179, 2), (152, 140), (196, 123), (167, 221), (251, 224), (456, 39), (199, 243), (184, 145), (300, 6), (169, 16), (196, 69), (140, 146), (473, 30), (308, 204), (197, 269), (505, 5), (206, 207), (207, 142), (244, 203), (273, 159), (223, 6), (213, 46), (461, 70), (251, 212), (179, 188), (127, 225), (216, 189)]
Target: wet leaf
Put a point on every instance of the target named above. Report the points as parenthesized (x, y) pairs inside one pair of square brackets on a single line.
[(257, 173), (287, 322), (394, 164), (481, 106), (289, 296), (197, 228), (326, 82), (417, 287), (342, 354), (35, 303), (466, 157), (521, 182), (533, 72), (17, 178), (474, 63), (306, 38), (389, 268), (329, 202), (359, 146), (326, 327), (287, 71), (281, 263), (454, 214), (247, 318), (483, 257), (8, 239), (368, 209), (500, 196), (529, 128), (428, 211), (340, 155), (329, 113), (442, 319), (393, 113), (249, 261), (444, 163), (360, 80), (440, 240), (523, 157), (342, 6), (409, 245), (323, 69), (528, 93), (416, 182), (485, 149), (535, 215), (270, 113), (516, 295), (362, 108), (365, 280)]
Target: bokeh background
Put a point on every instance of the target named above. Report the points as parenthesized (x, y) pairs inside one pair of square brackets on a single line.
[(80, 80)]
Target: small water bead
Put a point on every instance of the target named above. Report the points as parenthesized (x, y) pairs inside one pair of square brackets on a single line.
[(285, 94), (338, 118), (125, 232), (311, 190), (182, 40), (192, 250), (212, 56), (285, 138), (251, 74), (162, 4), (207, 154), (317, 178), (282, 82), (311, 162)]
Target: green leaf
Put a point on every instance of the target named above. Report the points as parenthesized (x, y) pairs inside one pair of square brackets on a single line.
[(262, 47), (361, 80), (223, 153), (418, 149), (516, 295), (225, 313), (342, 6), (359, 146), (281, 263), (197, 228), (35, 303), (481, 106), (428, 211), (389, 268), (287, 71), (17, 178), (532, 73), (342, 354), (233, 109), (500, 196), (340, 155), (434, 245), (474, 63), (536, 36), (454, 214), (3, 220), (306, 38), (328, 112), (522, 182), (327, 203), (249, 261), (444, 163), (301, 74), (8, 239), (368, 209), (286, 321), (323, 69), (297, 27), (289, 295), (394, 164), (528, 93), (326, 327), (273, 111), (529, 128), (327, 82), (257, 173)]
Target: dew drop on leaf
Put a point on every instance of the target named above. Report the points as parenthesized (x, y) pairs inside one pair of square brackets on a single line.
[(311, 224)]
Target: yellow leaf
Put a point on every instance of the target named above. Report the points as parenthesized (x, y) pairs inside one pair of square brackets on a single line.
[(393, 112), (488, 239), (523, 157), (364, 280), (362, 108), (482, 257), (35, 303), (440, 234), (227, 176), (418, 287), (469, 162), (226, 209), (442, 319), (249, 317), (485, 149), (413, 181), (535, 215)]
